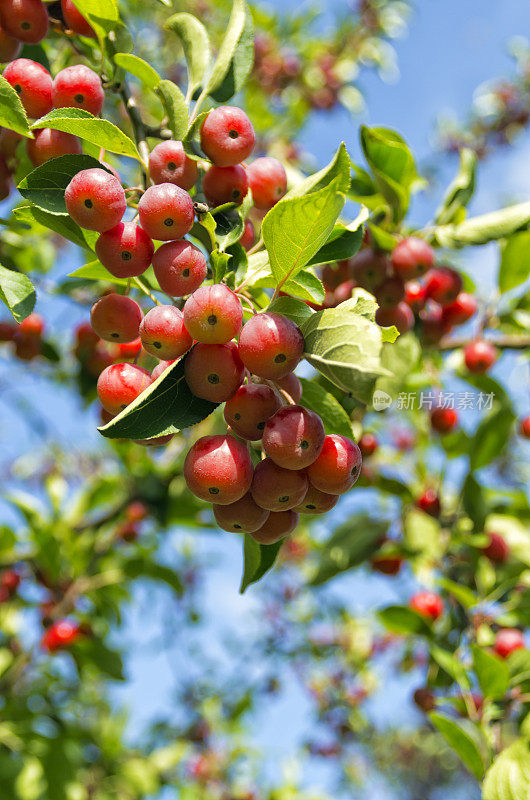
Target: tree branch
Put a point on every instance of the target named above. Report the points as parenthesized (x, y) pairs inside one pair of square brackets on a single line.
[(505, 342)]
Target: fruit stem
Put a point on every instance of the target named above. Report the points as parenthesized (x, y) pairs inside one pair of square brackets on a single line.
[(146, 291)]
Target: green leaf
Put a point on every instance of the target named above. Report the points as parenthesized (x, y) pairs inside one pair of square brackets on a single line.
[(514, 267), (474, 502), (344, 241), (98, 131), (190, 141), (139, 68), (236, 55), (295, 310), (45, 186), (175, 107), (451, 665), (493, 674), (257, 560), (196, 46), (305, 285), (422, 534), (485, 228), (462, 594), (204, 232), (363, 190), (107, 661), (350, 545), (400, 359), (460, 191), (219, 264), (392, 166), (12, 114), (461, 742), (102, 14), (63, 225), (17, 293), (95, 271), (401, 619), (145, 568), (509, 776), (166, 406), (339, 167), (491, 437), (334, 417)]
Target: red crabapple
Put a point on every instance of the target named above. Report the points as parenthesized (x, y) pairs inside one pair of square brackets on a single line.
[(412, 257), (125, 250), (268, 182), (160, 369), (427, 604), (49, 144), (270, 345), (27, 347), (78, 87), (33, 325), (248, 237), (168, 163), (278, 489), (508, 640), (10, 580), (60, 634), (218, 469), (443, 285), (9, 142), (424, 699), (166, 212), (26, 20), (243, 516), (524, 428), (125, 351), (163, 333), (497, 549), (33, 84), (116, 318), (479, 356), (214, 371), (9, 47), (443, 420), (368, 444), (120, 384), (5, 179), (213, 314), (95, 199), (390, 292), (369, 268), (155, 441), (415, 295), (337, 467), (180, 268), (433, 326), (7, 331), (343, 292), (225, 185), (278, 525), (316, 502), (75, 21), (293, 438), (291, 385), (335, 274), (401, 316), (227, 136), (429, 502), (460, 310), (387, 565), (249, 409)]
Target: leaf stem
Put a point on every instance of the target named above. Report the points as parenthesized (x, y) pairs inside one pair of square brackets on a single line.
[(146, 291)]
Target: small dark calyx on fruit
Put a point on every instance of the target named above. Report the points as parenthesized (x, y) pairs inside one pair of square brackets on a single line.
[(89, 203), (213, 378), (18, 88), (304, 444), (233, 134), (79, 98), (280, 358), (212, 320), (237, 527), (115, 335), (158, 345), (261, 426), (236, 194), (185, 273), (310, 507), (168, 222), (237, 416), (171, 165), (126, 255), (213, 490), (354, 471), (284, 498), (26, 26)]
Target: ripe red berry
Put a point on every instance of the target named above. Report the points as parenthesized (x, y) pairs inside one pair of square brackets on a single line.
[(180, 268), (429, 502), (249, 409), (120, 384), (412, 257), (218, 469), (160, 368), (271, 346), (95, 199), (415, 295), (460, 310), (78, 87), (290, 384), (243, 516), (155, 441), (427, 604), (125, 250), (268, 182), (293, 438), (33, 84), (248, 237), (369, 268), (163, 333), (26, 347), (116, 318), (33, 325), (401, 316), (387, 565), (168, 163), (479, 356), (227, 136), (433, 326), (497, 549), (60, 634), (75, 21), (166, 212), (508, 640), (443, 285), (214, 371), (524, 428), (49, 144), (7, 331), (127, 351), (9, 47), (276, 488), (390, 292), (225, 185), (9, 142), (279, 524), (333, 275), (5, 179), (368, 444), (213, 314), (136, 511), (424, 699), (443, 420), (316, 502), (338, 466), (26, 20), (10, 581)]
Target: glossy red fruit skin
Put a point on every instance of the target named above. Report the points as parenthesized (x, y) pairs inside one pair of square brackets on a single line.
[(268, 182), (401, 316), (460, 310), (33, 325), (249, 409), (26, 347), (116, 318), (164, 334), (120, 384), (415, 295), (368, 444), (429, 502), (248, 239), (225, 185), (49, 144), (76, 21), (160, 369), (218, 469), (26, 20), (214, 371), (9, 47), (338, 466), (497, 549), (335, 274), (294, 437), (443, 420), (61, 634), (9, 581), (443, 285), (427, 604), (213, 314), (227, 136), (433, 326), (412, 258), (180, 268), (271, 346), (387, 565), (168, 163), (5, 179), (7, 331), (125, 250), (33, 84), (9, 141), (524, 428), (278, 525), (127, 351), (243, 516), (95, 200), (166, 212), (291, 384), (316, 502), (424, 699), (507, 641), (390, 292), (78, 87), (479, 356), (278, 489), (370, 268)]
